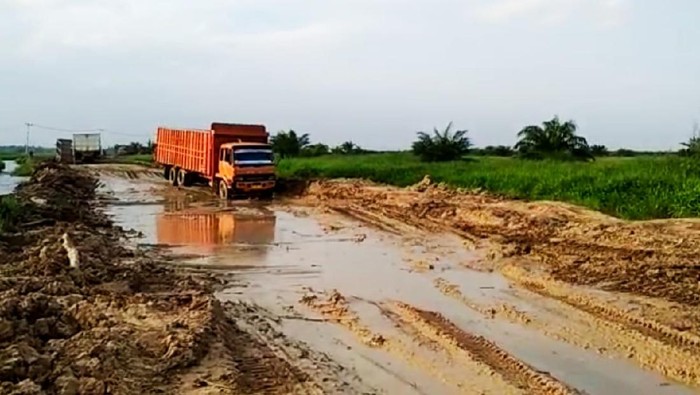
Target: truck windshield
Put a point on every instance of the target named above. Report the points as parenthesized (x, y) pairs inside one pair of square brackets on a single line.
[(252, 157)]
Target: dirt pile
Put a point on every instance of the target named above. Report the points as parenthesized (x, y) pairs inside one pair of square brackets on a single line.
[(656, 258), (116, 322)]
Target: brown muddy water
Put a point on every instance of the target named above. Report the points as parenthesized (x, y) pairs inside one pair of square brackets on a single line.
[(282, 253)]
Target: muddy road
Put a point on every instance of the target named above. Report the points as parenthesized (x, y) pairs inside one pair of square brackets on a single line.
[(353, 288)]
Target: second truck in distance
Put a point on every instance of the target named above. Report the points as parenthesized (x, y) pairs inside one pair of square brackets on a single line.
[(234, 159)]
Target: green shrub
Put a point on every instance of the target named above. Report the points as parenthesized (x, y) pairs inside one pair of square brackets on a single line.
[(10, 211), (24, 169)]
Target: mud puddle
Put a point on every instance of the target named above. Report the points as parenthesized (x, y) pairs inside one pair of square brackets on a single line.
[(282, 254)]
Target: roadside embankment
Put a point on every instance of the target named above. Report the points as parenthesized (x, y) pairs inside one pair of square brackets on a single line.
[(79, 311)]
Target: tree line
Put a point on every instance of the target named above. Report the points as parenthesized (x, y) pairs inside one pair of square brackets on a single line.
[(553, 139), (290, 144)]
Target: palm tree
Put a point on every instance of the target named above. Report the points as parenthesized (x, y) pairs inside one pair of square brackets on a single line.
[(692, 146), (347, 148), (552, 140), (441, 146), (598, 150), (288, 144)]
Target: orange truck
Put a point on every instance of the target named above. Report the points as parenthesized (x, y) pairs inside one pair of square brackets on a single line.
[(233, 159)]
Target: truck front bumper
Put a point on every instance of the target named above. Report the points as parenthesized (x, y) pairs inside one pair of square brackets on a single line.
[(253, 186)]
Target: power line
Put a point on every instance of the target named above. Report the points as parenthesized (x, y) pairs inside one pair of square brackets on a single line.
[(65, 130)]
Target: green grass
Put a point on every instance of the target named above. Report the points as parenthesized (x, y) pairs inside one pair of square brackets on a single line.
[(9, 155), (10, 211), (143, 159), (631, 188), (25, 166)]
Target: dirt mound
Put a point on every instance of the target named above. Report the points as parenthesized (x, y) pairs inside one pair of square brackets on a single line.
[(80, 313), (657, 258)]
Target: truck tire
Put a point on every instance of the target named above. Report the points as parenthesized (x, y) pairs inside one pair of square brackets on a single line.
[(223, 190), (173, 176), (183, 178), (166, 172)]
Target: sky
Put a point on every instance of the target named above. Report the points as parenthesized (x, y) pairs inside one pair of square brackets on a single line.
[(371, 71)]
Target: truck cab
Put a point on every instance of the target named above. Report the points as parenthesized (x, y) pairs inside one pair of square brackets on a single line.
[(246, 168)]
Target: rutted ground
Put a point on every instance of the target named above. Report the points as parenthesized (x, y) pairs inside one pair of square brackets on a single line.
[(81, 312), (354, 288), (544, 248)]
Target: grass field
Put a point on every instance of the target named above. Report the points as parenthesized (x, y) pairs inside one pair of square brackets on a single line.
[(143, 159), (9, 156), (631, 188)]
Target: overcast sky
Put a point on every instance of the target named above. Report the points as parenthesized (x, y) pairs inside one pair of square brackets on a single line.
[(371, 71)]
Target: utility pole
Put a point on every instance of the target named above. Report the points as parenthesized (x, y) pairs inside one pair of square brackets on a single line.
[(26, 146)]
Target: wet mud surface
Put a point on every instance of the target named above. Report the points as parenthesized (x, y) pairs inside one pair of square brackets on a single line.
[(352, 288)]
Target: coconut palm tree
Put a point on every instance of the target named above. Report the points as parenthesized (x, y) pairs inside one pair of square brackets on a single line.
[(692, 146), (553, 139), (288, 144), (441, 146), (347, 148)]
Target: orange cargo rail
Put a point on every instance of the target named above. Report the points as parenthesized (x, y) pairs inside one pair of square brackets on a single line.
[(189, 149)]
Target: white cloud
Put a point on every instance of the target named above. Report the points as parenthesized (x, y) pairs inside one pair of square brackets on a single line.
[(56, 25), (607, 13)]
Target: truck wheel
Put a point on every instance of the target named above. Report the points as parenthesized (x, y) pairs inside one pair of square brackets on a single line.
[(223, 190), (183, 178), (173, 176), (166, 172)]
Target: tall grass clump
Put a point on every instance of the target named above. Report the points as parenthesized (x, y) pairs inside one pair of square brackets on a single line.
[(10, 211), (24, 168), (630, 188)]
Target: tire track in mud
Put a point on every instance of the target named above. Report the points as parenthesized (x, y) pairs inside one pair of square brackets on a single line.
[(503, 309), (482, 350), (653, 345), (248, 354), (562, 292), (239, 360), (475, 378)]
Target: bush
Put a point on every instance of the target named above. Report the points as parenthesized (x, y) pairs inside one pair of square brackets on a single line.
[(2, 166), (599, 151), (24, 169), (314, 150), (498, 150), (441, 147), (10, 212)]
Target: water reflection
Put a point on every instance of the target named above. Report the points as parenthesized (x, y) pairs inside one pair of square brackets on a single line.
[(210, 231)]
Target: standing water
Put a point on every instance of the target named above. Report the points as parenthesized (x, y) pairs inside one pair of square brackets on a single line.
[(7, 181)]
